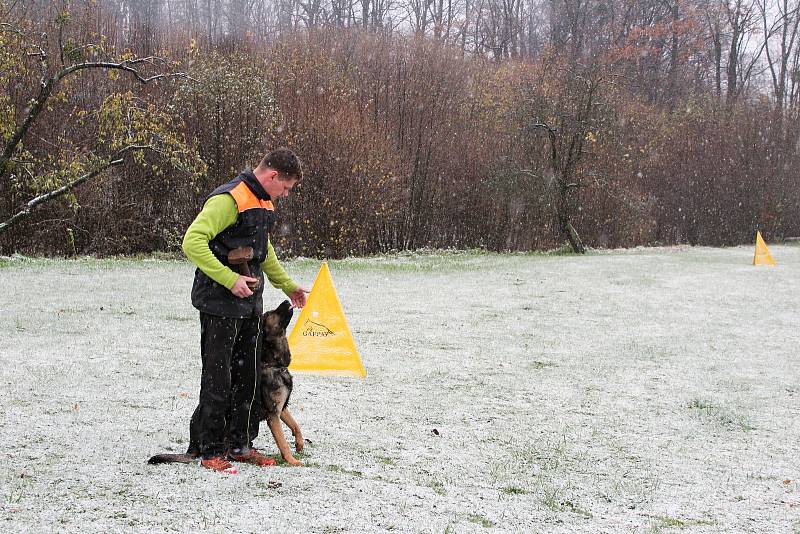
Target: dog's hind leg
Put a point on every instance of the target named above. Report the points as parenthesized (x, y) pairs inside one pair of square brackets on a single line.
[(280, 440), (287, 418)]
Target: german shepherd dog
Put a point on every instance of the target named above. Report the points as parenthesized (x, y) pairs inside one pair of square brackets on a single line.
[(276, 387)]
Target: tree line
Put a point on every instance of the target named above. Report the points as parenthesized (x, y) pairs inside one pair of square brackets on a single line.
[(500, 124)]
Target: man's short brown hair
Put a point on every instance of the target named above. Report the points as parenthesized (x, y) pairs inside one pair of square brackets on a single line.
[(285, 162)]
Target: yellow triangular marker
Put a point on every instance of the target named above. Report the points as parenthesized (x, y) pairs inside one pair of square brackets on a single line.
[(762, 255), (320, 340)]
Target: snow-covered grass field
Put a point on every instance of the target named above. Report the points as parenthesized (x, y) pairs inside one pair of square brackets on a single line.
[(642, 390)]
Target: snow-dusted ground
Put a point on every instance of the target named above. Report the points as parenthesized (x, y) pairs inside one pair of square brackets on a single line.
[(640, 390)]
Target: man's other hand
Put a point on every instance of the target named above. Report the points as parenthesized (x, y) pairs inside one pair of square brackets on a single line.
[(240, 288)]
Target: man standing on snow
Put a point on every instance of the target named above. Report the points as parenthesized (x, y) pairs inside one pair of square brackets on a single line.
[(237, 214)]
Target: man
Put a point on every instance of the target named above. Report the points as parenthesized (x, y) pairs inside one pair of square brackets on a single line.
[(237, 214)]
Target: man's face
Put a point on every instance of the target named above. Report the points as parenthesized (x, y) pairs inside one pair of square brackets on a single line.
[(277, 188)]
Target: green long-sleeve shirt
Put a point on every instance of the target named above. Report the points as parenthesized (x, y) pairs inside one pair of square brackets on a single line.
[(218, 213)]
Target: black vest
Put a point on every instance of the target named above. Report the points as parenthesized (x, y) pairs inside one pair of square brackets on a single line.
[(251, 229)]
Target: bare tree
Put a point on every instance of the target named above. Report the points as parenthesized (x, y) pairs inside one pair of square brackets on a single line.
[(740, 17), (781, 20), (576, 113)]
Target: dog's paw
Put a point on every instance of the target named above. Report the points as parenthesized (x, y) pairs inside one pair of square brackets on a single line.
[(299, 443), (294, 462)]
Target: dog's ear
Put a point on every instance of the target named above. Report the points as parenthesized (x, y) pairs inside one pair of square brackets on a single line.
[(285, 312)]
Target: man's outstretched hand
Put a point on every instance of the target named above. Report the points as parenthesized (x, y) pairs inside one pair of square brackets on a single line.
[(299, 297)]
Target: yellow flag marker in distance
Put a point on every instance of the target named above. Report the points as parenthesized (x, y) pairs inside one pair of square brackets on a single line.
[(320, 340), (762, 255)]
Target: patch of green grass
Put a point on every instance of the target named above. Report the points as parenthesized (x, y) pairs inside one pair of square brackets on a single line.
[(671, 522), (551, 498), (298, 456), (386, 460), (437, 487), (481, 520), (267, 484), (103, 263), (424, 260), (17, 260), (411, 262), (563, 250), (674, 522), (575, 509), (175, 255), (700, 404), (16, 492), (339, 469), (180, 318), (14, 496), (536, 364), (549, 456), (724, 417), (514, 490)]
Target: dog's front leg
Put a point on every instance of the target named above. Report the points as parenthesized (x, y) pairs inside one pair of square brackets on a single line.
[(280, 440), (287, 418)]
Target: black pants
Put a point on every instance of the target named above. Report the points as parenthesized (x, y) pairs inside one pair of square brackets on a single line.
[(227, 415)]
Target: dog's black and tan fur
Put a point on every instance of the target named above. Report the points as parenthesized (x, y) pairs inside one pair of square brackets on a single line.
[(276, 387), (276, 380)]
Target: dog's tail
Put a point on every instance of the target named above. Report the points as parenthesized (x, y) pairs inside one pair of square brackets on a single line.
[(173, 459)]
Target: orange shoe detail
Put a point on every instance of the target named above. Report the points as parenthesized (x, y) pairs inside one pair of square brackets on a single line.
[(220, 464)]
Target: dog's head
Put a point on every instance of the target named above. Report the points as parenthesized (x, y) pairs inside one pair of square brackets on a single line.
[(276, 321), (275, 348)]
